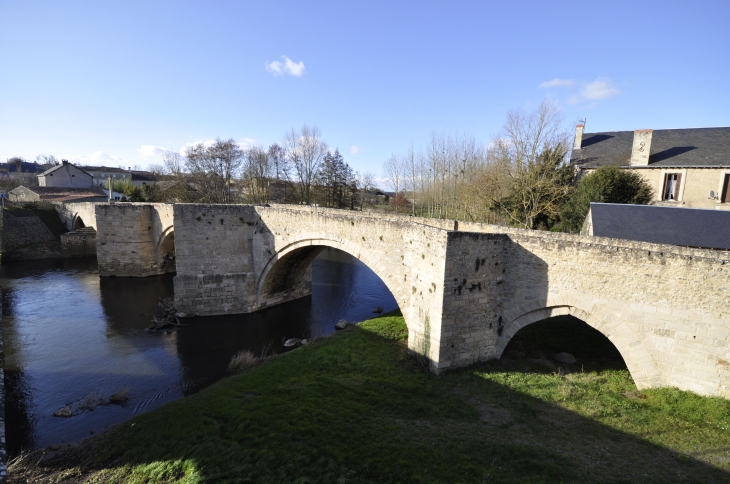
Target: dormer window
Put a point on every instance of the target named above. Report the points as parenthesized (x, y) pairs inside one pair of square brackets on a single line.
[(671, 187)]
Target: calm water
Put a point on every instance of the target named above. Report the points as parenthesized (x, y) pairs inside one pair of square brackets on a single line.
[(69, 334)]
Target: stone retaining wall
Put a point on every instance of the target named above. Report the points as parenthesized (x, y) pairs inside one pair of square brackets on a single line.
[(81, 242), (3, 455), (22, 231)]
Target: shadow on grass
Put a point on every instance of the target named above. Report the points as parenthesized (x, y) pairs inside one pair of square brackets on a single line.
[(356, 408)]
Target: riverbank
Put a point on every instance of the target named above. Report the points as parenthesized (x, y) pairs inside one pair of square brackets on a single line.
[(355, 407)]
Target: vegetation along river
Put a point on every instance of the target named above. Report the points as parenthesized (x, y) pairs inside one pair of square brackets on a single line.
[(73, 339)]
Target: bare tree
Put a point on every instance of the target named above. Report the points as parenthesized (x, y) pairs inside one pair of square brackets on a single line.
[(257, 172), (173, 163), (43, 159), (532, 151), (366, 182), (279, 162), (213, 167), (305, 151), (393, 169)]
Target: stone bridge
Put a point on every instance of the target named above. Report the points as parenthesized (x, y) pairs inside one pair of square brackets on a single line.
[(464, 288)]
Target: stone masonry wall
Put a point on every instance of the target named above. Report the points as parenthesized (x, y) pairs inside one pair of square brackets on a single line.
[(128, 238), (70, 212), (213, 250), (663, 307), (81, 242), (228, 255), (3, 444), (407, 256), (21, 231), (464, 293)]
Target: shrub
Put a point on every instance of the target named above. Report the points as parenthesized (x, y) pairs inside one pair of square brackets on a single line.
[(608, 184)]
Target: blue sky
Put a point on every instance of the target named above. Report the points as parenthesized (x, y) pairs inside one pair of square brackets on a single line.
[(115, 82)]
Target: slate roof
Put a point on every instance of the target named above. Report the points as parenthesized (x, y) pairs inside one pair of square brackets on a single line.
[(109, 169), (62, 194), (56, 167), (689, 227), (692, 147)]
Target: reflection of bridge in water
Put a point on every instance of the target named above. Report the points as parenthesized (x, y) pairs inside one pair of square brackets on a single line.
[(464, 289)]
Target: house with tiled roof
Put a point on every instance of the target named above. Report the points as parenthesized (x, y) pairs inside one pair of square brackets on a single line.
[(686, 167), (65, 175), (57, 194)]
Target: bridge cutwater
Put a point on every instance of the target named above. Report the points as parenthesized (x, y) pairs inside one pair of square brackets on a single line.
[(464, 288)]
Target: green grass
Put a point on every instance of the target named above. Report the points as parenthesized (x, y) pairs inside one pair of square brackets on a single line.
[(356, 407)]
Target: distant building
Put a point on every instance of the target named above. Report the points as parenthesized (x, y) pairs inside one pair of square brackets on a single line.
[(57, 194), (685, 167), (136, 177), (703, 228), (65, 175)]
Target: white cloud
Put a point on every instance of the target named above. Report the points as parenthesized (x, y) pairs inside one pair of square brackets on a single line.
[(99, 158), (354, 150), (567, 83), (246, 142), (289, 67), (588, 92), (573, 99), (206, 142), (148, 151), (601, 88)]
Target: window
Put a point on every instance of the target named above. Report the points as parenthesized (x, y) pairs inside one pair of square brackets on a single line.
[(725, 198), (671, 186)]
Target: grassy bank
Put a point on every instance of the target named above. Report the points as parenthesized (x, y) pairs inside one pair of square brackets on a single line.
[(356, 408)]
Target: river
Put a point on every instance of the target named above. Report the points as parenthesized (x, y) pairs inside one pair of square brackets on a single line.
[(72, 337)]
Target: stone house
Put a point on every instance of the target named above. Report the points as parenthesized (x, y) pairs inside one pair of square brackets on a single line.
[(686, 167), (65, 175), (136, 177), (57, 194)]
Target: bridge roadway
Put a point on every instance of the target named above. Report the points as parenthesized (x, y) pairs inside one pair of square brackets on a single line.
[(464, 288)]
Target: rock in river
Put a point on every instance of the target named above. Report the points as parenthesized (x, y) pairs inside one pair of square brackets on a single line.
[(63, 412), (566, 358), (341, 324), (292, 342)]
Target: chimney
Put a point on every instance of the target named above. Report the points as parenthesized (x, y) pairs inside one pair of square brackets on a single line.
[(65, 162), (641, 147), (578, 136)]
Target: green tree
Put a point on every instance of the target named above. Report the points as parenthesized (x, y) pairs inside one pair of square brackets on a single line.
[(532, 180), (608, 184)]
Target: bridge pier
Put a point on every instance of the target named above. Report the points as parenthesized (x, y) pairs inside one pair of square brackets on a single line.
[(134, 240)]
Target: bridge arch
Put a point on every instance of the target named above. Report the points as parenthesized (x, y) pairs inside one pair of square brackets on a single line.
[(638, 359), (165, 250), (287, 268), (77, 222)]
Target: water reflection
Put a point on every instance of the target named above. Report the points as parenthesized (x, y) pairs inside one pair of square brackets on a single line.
[(69, 334)]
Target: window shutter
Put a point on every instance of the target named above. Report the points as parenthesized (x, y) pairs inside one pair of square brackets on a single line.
[(725, 192), (664, 187), (676, 187)]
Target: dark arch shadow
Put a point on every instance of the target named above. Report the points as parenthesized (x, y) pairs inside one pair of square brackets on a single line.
[(537, 344), (166, 251), (78, 223)]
